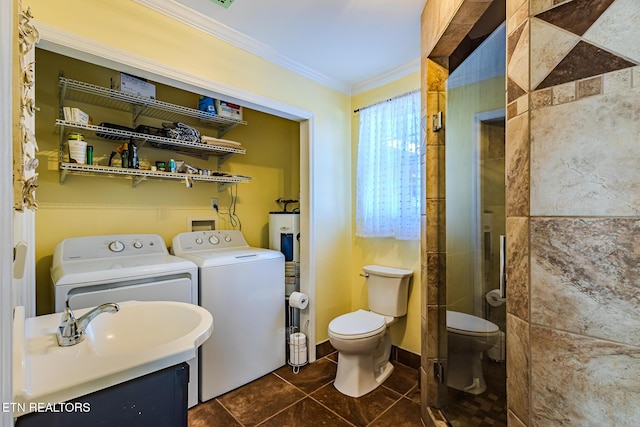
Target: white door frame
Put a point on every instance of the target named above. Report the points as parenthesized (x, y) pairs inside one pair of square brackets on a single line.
[(6, 208), (478, 238)]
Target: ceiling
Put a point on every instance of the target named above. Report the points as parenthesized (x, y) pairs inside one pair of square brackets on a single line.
[(349, 45)]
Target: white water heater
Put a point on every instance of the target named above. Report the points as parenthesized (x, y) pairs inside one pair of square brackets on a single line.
[(284, 236)]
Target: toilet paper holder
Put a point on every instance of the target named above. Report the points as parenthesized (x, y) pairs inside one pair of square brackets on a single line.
[(297, 350), (298, 300), (296, 340), (494, 298)]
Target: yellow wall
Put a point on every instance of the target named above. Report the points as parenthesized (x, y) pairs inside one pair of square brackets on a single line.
[(102, 205), (389, 252)]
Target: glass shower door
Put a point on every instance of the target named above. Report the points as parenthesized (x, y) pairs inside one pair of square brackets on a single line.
[(475, 222)]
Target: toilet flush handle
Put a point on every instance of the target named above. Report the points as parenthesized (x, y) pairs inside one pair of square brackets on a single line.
[(364, 275)]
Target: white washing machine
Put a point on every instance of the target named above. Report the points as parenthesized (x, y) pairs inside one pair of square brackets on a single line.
[(89, 271), (243, 288)]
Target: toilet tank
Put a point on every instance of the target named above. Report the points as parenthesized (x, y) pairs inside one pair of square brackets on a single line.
[(388, 289)]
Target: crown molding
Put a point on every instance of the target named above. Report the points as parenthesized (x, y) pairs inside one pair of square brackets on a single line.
[(65, 43), (199, 21), (386, 77), (70, 44)]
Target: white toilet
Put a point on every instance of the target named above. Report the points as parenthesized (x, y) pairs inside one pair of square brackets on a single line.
[(361, 337), (468, 336)]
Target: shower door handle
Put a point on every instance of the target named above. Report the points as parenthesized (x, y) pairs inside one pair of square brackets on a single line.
[(503, 266)]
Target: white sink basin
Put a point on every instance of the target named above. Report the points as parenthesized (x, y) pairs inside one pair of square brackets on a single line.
[(141, 327), (141, 338)]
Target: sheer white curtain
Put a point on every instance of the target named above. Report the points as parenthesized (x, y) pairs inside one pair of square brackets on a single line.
[(388, 173)]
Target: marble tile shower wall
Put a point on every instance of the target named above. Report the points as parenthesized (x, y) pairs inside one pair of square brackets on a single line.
[(573, 197)]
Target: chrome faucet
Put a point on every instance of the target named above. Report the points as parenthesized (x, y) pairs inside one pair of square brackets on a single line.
[(71, 330)]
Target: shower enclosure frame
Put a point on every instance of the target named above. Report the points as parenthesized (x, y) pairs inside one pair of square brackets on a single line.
[(443, 29)]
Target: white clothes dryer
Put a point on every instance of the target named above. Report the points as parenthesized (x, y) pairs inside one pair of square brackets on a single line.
[(92, 270), (243, 288)]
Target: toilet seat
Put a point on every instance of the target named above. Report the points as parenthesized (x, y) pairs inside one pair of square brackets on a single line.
[(357, 325), (467, 324)]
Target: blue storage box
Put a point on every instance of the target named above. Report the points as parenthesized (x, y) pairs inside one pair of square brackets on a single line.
[(207, 104)]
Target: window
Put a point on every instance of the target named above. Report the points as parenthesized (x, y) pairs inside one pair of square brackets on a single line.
[(388, 195)]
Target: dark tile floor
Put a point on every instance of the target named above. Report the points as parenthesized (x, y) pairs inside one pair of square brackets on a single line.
[(309, 399), (488, 409)]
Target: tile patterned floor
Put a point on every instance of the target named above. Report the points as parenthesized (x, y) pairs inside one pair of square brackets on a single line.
[(488, 409), (308, 399)]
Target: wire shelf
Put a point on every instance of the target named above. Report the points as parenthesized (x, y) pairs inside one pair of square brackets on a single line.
[(142, 106), (139, 175), (196, 148)]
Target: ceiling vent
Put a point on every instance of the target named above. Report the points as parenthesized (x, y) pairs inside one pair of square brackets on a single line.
[(223, 3)]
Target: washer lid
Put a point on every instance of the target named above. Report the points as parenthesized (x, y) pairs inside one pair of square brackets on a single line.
[(88, 272), (220, 257), (357, 324), (467, 323)]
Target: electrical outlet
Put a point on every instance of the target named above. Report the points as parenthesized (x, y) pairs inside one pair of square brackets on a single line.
[(214, 203)]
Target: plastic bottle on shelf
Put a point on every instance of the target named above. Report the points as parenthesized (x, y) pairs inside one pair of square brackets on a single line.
[(125, 158), (89, 154), (133, 156)]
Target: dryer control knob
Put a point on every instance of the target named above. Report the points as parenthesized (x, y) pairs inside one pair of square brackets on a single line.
[(199, 240), (214, 240), (227, 238), (116, 246), (137, 245)]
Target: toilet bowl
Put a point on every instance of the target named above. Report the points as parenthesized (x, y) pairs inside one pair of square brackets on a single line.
[(361, 337), (363, 346), (468, 338)]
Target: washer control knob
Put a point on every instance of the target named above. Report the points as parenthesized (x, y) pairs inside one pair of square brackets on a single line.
[(137, 244), (116, 246), (227, 238), (199, 240), (214, 240)]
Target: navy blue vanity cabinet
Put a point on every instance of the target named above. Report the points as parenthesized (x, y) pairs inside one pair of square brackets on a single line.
[(158, 399)]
